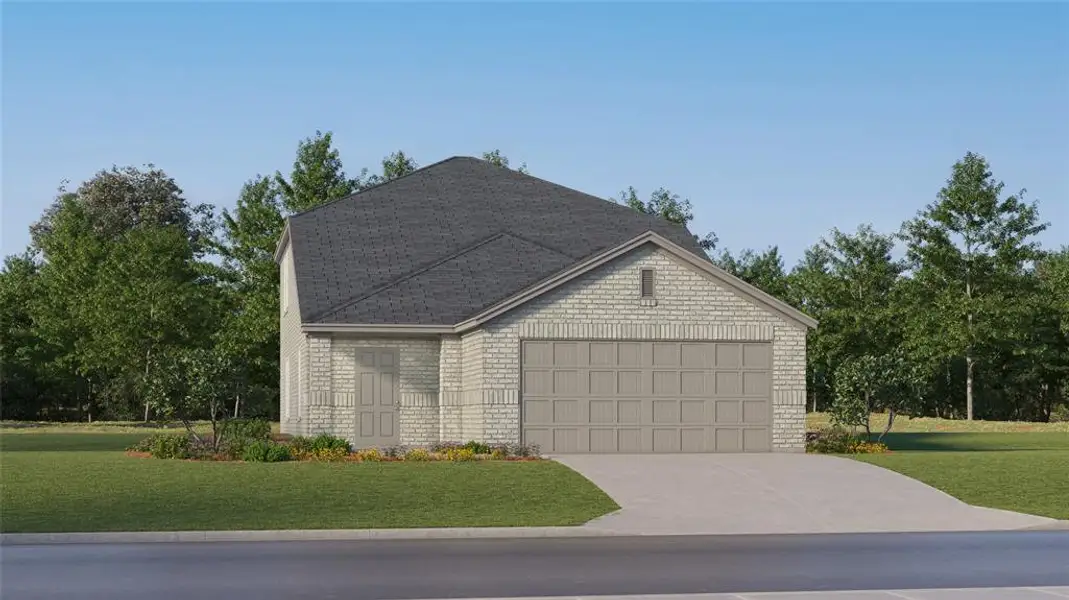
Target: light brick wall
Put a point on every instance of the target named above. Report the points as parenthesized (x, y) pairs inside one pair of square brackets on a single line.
[(291, 347), (467, 387), (605, 304), (332, 387)]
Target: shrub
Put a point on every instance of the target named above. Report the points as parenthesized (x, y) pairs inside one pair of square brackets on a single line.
[(329, 454), (369, 455), (147, 444), (1060, 414), (300, 444), (862, 447), (499, 454), (477, 447), (443, 447), (265, 451), (175, 445), (459, 454), (417, 455), (832, 440), (836, 440), (246, 429), (325, 441), (522, 451)]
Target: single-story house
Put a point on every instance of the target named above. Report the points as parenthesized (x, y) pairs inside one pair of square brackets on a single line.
[(467, 301)]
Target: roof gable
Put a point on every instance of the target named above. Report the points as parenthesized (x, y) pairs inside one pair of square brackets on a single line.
[(442, 243)]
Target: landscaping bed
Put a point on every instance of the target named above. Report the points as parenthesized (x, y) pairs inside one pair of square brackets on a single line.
[(67, 482)]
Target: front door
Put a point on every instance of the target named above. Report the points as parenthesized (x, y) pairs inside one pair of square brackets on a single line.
[(377, 396)]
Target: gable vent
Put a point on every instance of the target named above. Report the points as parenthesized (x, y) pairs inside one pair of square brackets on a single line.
[(647, 283)]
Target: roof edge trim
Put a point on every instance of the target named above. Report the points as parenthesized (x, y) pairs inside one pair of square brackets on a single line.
[(389, 328), (739, 286), (283, 241)]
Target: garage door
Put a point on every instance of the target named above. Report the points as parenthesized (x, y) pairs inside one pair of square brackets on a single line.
[(639, 397)]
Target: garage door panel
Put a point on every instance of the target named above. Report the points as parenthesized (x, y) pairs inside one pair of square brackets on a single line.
[(565, 383), (628, 354), (666, 411), (666, 383), (693, 412), (665, 355), (692, 383), (601, 383), (728, 356), (646, 396), (728, 383), (629, 383), (727, 411), (602, 354), (537, 383)]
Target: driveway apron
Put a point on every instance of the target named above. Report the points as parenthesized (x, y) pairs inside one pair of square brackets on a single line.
[(775, 493)]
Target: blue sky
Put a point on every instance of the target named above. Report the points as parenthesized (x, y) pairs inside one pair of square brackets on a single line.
[(778, 121)]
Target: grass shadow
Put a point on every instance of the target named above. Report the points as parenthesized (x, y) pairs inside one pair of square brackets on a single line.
[(68, 442), (976, 442)]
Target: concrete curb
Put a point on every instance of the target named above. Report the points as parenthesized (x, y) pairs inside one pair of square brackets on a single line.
[(146, 537), (441, 533)]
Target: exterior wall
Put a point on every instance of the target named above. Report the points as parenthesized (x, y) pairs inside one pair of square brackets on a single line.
[(605, 304), (291, 348), (331, 381)]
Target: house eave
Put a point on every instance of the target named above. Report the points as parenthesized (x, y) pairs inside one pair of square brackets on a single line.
[(377, 329), (283, 242), (763, 299)]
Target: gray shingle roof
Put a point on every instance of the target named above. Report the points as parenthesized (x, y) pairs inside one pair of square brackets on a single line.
[(444, 243)]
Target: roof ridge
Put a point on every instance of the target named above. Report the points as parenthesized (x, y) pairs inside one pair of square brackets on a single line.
[(539, 244), (407, 276), (378, 185)]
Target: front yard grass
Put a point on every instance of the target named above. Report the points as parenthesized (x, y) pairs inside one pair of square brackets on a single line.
[(66, 482), (1023, 472)]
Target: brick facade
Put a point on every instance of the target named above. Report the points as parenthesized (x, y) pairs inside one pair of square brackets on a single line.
[(457, 388)]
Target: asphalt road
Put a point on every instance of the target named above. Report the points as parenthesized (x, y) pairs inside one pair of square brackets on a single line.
[(532, 567)]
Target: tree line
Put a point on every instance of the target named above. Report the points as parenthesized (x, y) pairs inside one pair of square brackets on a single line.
[(132, 302)]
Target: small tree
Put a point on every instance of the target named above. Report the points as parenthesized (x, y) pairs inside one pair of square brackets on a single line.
[(868, 384), (192, 384)]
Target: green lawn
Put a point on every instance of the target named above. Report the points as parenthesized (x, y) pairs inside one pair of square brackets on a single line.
[(1024, 472), (64, 482)]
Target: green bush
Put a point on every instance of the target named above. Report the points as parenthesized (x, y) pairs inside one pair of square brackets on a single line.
[(265, 451), (175, 445), (1060, 414), (325, 441), (417, 455), (477, 447), (146, 444), (247, 429), (300, 444), (832, 440)]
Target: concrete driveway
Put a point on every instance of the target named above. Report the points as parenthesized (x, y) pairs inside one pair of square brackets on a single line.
[(775, 493)]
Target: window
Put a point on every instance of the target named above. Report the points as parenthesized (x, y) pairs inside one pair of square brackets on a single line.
[(647, 283)]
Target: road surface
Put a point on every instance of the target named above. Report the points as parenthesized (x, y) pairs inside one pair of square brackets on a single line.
[(532, 567)]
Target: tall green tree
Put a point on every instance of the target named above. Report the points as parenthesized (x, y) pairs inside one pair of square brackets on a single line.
[(965, 251), (847, 281), (248, 333), (670, 207), (394, 165), (495, 157), (763, 270), (317, 176)]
